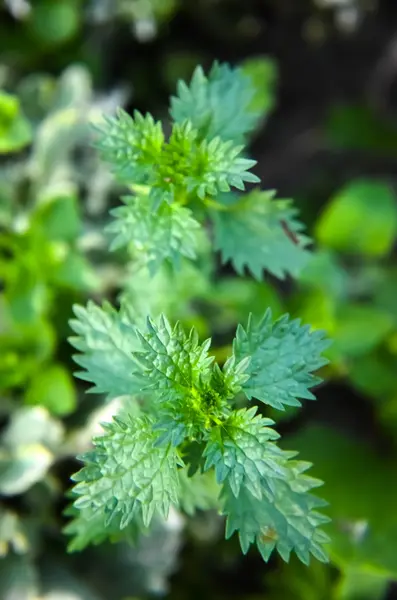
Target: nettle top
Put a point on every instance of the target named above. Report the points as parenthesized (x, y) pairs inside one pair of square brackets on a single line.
[(181, 439)]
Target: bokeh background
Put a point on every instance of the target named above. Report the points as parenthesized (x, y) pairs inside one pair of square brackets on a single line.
[(326, 72)]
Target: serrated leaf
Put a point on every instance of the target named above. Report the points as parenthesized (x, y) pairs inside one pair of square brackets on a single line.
[(174, 362), (106, 340), (219, 104), (242, 453), (87, 527), (155, 237), (131, 146), (201, 167), (259, 233), (190, 393), (287, 521), (186, 164), (283, 355), (127, 475)]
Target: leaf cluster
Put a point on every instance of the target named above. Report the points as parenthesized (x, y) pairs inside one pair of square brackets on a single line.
[(184, 400), (185, 183)]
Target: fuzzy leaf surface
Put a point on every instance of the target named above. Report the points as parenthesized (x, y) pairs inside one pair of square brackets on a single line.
[(242, 453), (258, 233), (127, 475), (137, 152), (191, 393), (106, 340), (130, 145), (283, 356), (155, 237), (219, 104), (174, 362), (287, 521)]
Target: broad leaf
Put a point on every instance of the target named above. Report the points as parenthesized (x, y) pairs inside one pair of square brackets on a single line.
[(283, 355), (106, 340), (259, 233)]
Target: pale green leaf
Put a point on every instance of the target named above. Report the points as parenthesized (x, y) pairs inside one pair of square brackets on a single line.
[(131, 146), (175, 363), (259, 233), (219, 104), (154, 237), (127, 475), (106, 340)]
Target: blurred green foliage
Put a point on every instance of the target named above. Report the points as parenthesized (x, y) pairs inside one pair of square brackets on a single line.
[(54, 200)]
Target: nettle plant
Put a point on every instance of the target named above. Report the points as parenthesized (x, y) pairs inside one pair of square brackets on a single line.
[(182, 432)]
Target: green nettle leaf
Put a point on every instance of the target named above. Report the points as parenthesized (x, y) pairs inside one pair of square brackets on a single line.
[(131, 146), (283, 355), (166, 235), (138, 154), (286, 521), (174, 364), (242, 454), (217, 105), (257, 233), (128, 475), (205, 166), (106, 341)]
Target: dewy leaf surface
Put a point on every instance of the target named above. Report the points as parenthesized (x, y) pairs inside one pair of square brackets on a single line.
[(283, 354)]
